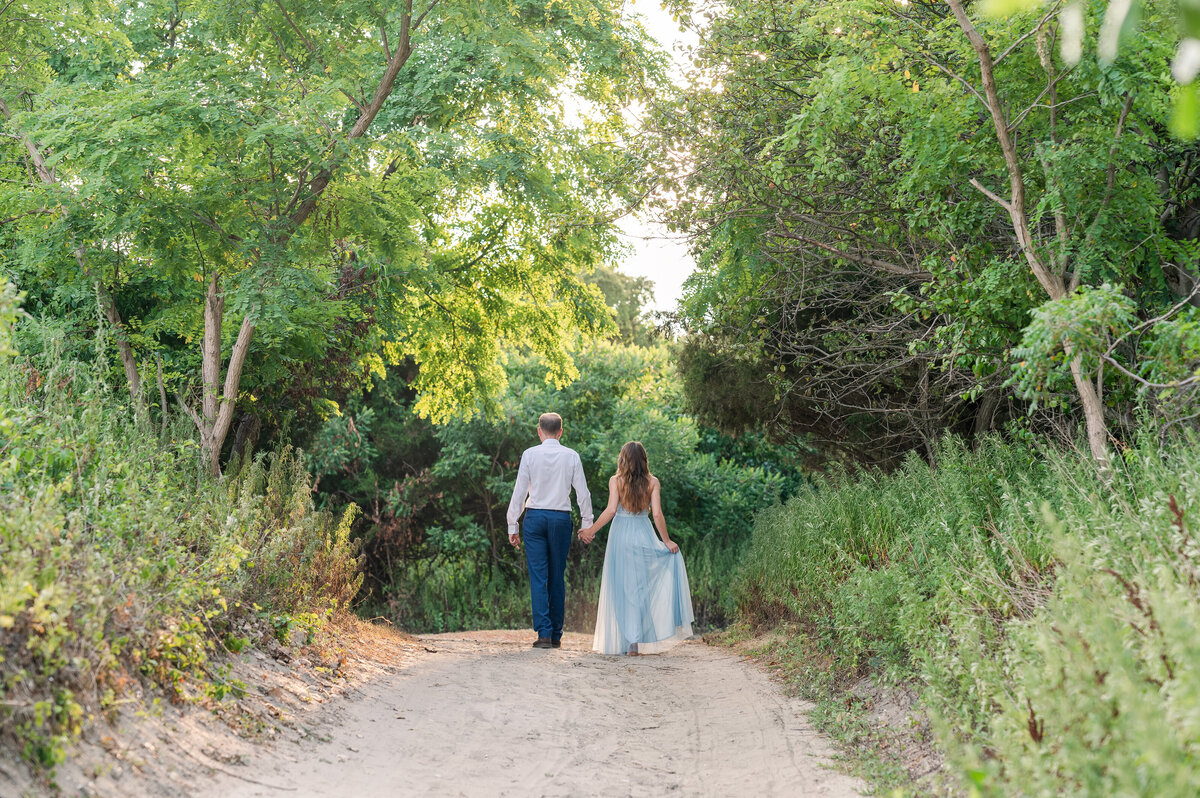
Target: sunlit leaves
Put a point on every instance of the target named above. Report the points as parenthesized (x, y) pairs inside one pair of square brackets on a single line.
[(1003, 8), (188, 136), (1185, 116)]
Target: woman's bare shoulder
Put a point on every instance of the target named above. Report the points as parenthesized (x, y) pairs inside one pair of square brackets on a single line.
[(654, 483)]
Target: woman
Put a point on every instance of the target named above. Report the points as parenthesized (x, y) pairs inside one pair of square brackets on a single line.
[(645, 603)]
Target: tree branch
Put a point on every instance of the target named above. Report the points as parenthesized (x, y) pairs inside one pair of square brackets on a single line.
[(857, 257), (401, 55), (1003, 203), (425, 13), (191, 413), (1110, 181), (39, 211), (1051, 282), (966, 83), (233, 376), (1053, 10)]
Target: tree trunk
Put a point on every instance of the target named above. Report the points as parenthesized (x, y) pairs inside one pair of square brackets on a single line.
[(246, 437), (124, 349), (1093, 414), (986, 414), (162, 394), (213, 422), (216, 409), (926, 425), (1051, 281)]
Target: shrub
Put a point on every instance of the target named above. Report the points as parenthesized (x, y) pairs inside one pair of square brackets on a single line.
[(1048, 616), (121, 564)]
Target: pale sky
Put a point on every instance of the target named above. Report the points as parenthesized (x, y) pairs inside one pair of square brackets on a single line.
[(657, 254)]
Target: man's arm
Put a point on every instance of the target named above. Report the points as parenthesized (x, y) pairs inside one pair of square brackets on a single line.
[(582, 497), (516, 504)]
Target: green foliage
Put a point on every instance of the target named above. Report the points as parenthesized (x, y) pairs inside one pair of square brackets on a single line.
[(119, 564), (1173, 353), (724, 389), (628, 297), (1046, 616), (1100, 327), (434, 529), (846, 252), (1122, 23), (217, 144), (1083, 324)]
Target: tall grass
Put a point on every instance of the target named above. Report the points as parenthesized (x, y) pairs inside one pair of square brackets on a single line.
[(122, 567), (1050, 617)]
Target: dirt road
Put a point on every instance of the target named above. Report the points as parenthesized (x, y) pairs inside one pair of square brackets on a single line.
[(483, 714)]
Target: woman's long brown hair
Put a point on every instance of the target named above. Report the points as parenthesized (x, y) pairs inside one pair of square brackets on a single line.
[(633, 477)]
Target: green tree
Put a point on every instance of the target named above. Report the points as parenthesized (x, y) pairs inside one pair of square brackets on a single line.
[(217, 168), (854, 237), (627, 296)]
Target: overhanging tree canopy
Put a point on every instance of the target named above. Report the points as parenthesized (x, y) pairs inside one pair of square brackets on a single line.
[(233, 177)]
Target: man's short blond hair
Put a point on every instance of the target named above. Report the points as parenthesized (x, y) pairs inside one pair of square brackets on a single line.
[(550, 423)]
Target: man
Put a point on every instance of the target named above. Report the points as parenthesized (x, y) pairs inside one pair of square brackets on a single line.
[(546, 476)]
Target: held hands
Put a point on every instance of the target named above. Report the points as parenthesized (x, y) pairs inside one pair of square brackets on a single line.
[(515, 540), (586, 534)]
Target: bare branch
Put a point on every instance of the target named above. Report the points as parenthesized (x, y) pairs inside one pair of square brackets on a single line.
[(195, 417), (212, 224), (857, 257), (387, 51), (424, 13), (1003, 203), (357, 103), (1145, 383), (1046, 18), (312, 48), (1148, 323), (1051, 282), (39, 211), (1035, 104), (966, 83), (384, 90)]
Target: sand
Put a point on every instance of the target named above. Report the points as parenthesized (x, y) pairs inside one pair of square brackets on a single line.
[(483, 714)]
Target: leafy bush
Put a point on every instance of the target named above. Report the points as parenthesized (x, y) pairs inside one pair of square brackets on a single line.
[(1048, 617), (121, 565)]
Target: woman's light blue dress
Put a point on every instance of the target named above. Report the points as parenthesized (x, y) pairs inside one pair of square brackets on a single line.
[(644, 593)]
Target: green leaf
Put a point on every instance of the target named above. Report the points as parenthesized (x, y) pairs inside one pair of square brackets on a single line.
[(1185, 114), (1006, 8)]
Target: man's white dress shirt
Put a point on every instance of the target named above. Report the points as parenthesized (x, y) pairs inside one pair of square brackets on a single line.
[(546, 476)]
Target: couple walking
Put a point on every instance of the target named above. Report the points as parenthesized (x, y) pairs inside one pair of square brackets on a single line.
[(645, 604)]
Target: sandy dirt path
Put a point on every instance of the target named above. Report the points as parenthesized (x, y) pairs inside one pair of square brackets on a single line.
[(483, 714)]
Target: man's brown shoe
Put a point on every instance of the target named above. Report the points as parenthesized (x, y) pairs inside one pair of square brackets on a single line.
[(543, 642), (556, 642)]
